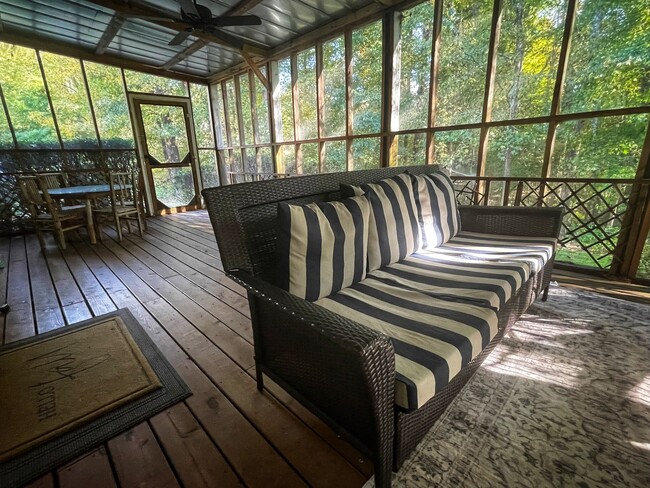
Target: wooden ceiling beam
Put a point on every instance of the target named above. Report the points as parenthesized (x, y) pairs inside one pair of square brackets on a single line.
[(127, 9), (188, 51), (110, 32), (242, 7), (21, 37)]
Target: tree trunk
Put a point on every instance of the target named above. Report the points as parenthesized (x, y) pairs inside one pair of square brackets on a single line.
[(517, 81)]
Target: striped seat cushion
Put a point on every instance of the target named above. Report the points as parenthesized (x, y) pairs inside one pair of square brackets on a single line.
[(322, 247), (531, 252), (433, 337), (460, 280), (437, 210), (394, 231)]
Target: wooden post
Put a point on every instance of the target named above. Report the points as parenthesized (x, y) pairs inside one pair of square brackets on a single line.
[(390, 32), (295, 98), (557, 94), (8, 117), (433, 85), (320, 104), (276, 119), (349, 112), (490, 74)]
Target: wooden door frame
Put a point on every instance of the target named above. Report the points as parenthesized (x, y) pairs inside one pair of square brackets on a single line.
[(137, 99)]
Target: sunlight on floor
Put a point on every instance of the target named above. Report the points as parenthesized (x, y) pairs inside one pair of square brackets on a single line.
[(641, 392), (641, 445), (534, 366)]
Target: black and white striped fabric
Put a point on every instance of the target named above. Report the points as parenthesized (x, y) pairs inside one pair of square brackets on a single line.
[(437, 209), (533, 252), (439, 305), (394, 231), (322, 247), (433, 337)]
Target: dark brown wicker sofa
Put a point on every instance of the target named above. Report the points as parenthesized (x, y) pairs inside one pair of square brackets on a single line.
[(343, 371)]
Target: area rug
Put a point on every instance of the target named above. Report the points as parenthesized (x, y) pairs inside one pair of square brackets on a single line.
[(563, 401), (66, 391)]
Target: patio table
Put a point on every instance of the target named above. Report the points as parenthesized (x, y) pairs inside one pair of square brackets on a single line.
[(88, 193)]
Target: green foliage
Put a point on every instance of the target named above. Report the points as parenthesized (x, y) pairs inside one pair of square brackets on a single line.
[(367, 49), (24, 92), (109, 102), (609, 63), (415, 67), (201, 113), (334, 88), (284, 97), (307, 110)]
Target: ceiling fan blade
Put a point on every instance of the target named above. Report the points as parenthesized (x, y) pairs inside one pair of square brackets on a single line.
[(180, 37), (227, 38), (153, 19), (236, 20), (189, 8)]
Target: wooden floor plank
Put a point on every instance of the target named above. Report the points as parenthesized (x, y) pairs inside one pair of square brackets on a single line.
[(19, 323), (233, 309), (47, 310), (4, 274), (91, 469), (179, 444), (196, 460), (197, 241), (243, 446), (139, 461), (287, 433), (227, 433), (46, 481), (74, 306)]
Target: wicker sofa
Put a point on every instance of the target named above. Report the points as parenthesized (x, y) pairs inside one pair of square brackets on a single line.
[(343, 371)]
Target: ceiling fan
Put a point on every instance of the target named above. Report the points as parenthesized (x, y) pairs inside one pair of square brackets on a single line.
[(199, 18)]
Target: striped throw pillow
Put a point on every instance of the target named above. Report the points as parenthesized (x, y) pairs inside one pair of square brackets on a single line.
[(322, 247), (437, 209), (394, 231)]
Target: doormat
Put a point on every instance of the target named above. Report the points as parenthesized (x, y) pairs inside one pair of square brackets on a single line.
[(69, 390)]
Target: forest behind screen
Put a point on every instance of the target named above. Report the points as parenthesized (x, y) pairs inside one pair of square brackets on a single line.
[(608, 67)]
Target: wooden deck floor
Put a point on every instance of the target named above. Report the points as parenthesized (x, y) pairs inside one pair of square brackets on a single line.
[(227, 433)]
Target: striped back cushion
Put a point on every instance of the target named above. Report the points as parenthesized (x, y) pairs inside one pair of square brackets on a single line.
[(394, 231), (322, 247), (437, 209)]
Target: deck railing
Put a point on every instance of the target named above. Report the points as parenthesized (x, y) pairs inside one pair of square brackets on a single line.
[(602, 223), (601, 219), (245, 177)]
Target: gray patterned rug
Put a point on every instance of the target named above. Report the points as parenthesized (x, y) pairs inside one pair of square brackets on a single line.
[(563, 401)]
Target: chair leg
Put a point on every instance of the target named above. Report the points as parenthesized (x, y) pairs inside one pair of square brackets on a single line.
[(97, 222), (39, 234), (128, 224), (139, 221), (545, 294), (60, 235), (118, 227)]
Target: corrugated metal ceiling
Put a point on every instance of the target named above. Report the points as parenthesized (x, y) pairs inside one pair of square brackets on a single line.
[(82, 23)]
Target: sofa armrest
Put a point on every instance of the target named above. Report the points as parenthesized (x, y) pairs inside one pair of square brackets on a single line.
[(516, 221), (342, 370)]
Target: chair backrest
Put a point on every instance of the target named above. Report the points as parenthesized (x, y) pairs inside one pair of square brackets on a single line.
[(35, 195), (124, 188), (244, 216), (53, 180)]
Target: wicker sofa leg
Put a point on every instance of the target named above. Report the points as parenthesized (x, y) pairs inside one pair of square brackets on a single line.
[(545, 293), (259, 377)]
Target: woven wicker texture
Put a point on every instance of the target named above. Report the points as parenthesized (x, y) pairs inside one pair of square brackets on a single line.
[(343, 371)]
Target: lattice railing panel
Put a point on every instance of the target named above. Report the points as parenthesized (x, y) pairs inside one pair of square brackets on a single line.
[(595, 210), (81, 168)]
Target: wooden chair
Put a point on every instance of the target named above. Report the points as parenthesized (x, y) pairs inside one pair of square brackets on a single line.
[(125, 203), (47, 214), (54, 180)]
